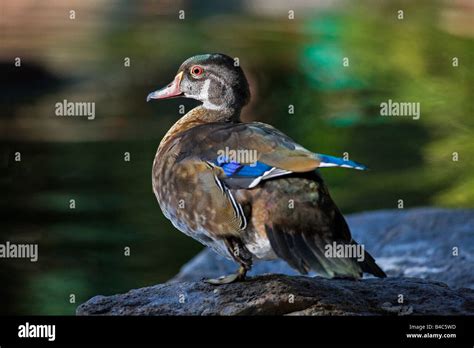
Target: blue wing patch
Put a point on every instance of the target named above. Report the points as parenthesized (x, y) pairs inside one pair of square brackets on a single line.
[(247, 175), (234, 169), (230, 168)]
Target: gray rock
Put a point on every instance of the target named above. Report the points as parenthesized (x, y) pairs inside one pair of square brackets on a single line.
[(281, 294), (406, 244), (412, 242)]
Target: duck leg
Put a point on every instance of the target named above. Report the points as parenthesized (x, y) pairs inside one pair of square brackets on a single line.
[(241, 255)]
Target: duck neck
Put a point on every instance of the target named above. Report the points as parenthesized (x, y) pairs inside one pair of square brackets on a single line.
[(223, 114), (201, 115)]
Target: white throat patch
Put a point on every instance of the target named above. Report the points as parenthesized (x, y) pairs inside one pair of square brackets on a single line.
[(204, 95)]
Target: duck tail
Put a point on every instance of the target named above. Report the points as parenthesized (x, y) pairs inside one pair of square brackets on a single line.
[(331, 161), (369, 266)]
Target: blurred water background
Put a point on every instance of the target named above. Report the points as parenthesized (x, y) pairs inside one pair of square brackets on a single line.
[(288, 62)]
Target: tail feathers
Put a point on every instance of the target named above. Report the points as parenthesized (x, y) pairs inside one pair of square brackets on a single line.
[(333, 266), (369, 266), (330, 161), (307, 251), (282, 245), (304, 253)]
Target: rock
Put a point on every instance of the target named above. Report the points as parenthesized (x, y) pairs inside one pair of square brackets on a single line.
[(292, 295), (410, 243)]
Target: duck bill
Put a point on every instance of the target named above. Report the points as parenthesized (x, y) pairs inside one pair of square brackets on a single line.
[(170, 91)]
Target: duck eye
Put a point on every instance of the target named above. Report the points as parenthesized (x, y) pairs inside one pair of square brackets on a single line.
[(196, 71)]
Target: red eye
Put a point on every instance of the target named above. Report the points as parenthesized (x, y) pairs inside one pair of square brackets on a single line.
[(196, 71)]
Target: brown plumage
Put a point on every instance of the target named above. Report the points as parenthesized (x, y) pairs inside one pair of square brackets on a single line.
[(274, 204)]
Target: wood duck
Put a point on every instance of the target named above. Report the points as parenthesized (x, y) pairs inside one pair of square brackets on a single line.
[(273, 204)]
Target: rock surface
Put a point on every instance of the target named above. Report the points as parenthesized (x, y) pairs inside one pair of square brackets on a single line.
[(281, 294), (406, 243)]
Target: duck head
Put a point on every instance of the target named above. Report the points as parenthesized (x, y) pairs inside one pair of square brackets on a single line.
[(213, 79)]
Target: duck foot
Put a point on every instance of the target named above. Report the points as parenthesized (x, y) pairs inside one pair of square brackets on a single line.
[(240, 275)]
